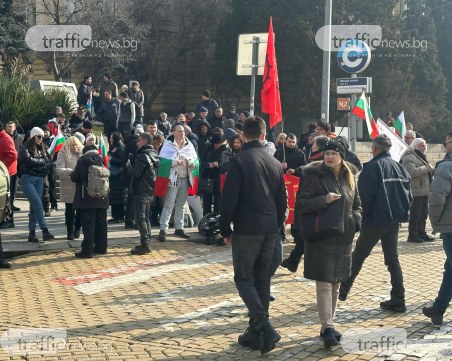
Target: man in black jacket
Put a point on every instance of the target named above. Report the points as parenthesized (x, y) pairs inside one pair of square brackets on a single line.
[(255, 201), (384, 188), (143, 173), (289, 155), (108, 113)]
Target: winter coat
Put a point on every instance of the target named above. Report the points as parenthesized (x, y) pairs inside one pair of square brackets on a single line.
[(384, 188), (420, 172), (193, 138), (353, 158), (216, 122), (196, 123), (254, 196), (108, 113), (65, 165), (144, 171), (117, 191), (212, 155), (225, 158), (439, 199), (82, 199), (137, 97), (18, 139), (111, 85), (210, 105), (130, 153), (84, 93), (126, 113), (329, 259), (294, 157), (8, 152), (37, 165), (164, 127)]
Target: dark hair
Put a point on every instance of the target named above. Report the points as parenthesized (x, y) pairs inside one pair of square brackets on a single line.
[(107, 91), (117, 137), (1, 126), (159, 137), (151, 122), (177, 125), (146, 136), (231, 141), (86, 77), (124, 95), (325, 126), (218, 108), (206, 93), (311, 127), (33, 148), (218, 130), (253, 128), (291, 136), (89, 147), (61, 115)]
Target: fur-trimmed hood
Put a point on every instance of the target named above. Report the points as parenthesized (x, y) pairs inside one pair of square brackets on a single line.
[(318, 168)]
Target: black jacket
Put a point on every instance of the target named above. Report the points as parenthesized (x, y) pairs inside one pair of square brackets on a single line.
[(211, 155), (210, 105), (294, 157), (83, 94), (329, 259), (216, 122), (137, 97), (384, 188), (164, 127), (37, 165), (144, 171), (254, 196), (353, 158), (130, 153), (116, 195), (80, 176), (108, 113)]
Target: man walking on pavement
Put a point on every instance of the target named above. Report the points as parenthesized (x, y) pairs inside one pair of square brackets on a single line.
[(254, 190), (439, 205), (384, 188), (143, 173)]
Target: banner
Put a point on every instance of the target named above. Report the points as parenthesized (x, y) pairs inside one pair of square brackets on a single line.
[(292, 183)]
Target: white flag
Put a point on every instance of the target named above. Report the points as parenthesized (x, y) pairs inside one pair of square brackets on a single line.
[(398, 145)]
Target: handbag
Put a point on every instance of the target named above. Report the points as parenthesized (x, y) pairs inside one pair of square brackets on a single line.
[(115, 170), (323, 223), (205, 185)]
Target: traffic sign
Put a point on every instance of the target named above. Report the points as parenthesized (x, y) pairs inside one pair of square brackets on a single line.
[(353, 56), (354, 85), (343, 104)]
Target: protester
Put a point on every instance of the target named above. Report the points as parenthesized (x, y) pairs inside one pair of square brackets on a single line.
[(289, 155), (116, 196), (126, 114), (439, 210), (85, 91), (280, 140), (109, 85), (305, 136), (420, 170), (235, 145), (65, 165), (255, 173), (18, 139), (137, 97), (129, 155), (384, 188), (208, 103), (328, 260), (410, 135), (324, 128), (182, 154), (93, 211), (163, 124), (108, 113), (143, 174), (35, 164), (350, 156)]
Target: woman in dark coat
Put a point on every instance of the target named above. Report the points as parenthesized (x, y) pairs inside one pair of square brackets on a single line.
[(328, 260), (117, 190)]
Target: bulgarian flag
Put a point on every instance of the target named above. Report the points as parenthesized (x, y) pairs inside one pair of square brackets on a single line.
[(399, 125), (57, 143), (167, 173), (103, 152), (362, 110)]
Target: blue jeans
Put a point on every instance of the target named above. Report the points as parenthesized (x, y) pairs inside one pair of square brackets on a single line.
[(32, 187), (445, 291)]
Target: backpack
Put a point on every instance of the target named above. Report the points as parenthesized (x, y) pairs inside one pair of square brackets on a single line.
[(98, 184)]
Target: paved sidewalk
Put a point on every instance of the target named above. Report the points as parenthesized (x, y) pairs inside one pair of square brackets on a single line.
[(179, 302)]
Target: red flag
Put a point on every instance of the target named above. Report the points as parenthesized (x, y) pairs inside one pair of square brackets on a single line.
[(270, 97), (292, 188)]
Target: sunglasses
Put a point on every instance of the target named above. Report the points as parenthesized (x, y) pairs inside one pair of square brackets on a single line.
[(39, 136)]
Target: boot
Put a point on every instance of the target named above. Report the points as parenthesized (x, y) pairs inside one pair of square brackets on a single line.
[(251, 338), (269, 338), (46, 235), (412, 238), (434, 314), (32, 236), (329, 338), (47, 212), (4, 264), (140, 250), (287, 263), (393, 305)]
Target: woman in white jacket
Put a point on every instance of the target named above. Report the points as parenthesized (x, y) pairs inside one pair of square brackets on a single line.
[(66, 161)]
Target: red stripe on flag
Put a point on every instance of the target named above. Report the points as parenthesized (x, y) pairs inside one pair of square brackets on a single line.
[(292, 183), (161, 184)]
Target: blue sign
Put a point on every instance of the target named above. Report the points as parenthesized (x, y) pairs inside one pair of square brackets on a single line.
[(353, 56)]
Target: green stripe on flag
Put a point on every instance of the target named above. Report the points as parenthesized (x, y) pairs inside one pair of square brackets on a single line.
[(165, 167)]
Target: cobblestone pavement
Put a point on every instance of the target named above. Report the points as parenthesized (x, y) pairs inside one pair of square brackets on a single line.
[(179, 303)]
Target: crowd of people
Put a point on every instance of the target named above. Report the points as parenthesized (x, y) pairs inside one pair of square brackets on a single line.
[(152, 166)]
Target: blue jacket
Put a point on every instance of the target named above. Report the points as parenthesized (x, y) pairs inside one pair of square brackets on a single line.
[(384, 189)]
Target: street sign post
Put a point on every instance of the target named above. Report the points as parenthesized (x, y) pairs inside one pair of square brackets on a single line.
[(353, 85)]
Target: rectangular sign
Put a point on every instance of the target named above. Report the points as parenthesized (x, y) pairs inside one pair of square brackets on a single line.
[(245, 53), (353, 85), (343, 104)]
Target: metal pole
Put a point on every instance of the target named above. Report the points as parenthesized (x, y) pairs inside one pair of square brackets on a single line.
[(352, 121), (254, 66), (325, 111)]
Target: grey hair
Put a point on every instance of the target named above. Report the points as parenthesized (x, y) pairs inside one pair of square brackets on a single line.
[(380, 147), (415, 144), (320, 141), (411, 132)]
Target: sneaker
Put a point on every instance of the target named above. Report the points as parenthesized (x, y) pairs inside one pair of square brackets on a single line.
[(435, 315), (140, 250), (269, 338), (414, 239), (426, 238), (4, 264), (289, 265), (162, 236), (329, 338), (15, 209), (391, 305), (181, 233), (32, 237), (337, 334), (251, 338)]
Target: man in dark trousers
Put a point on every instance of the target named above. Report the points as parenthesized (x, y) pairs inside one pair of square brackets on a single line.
[(384, 188), (108, 113), (255, 202), (289, 155), (143, 173)]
